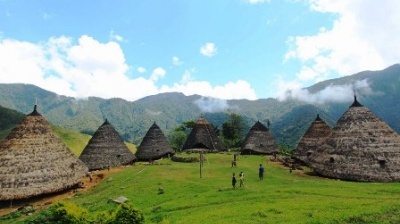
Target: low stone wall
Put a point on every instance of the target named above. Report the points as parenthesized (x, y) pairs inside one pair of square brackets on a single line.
[(185, 159)]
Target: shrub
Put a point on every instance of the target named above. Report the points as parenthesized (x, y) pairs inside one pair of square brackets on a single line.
[(63, 213), (127, 214), (69, 213)]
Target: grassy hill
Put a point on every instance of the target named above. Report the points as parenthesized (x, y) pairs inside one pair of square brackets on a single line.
[(8, 119), (282, 197)]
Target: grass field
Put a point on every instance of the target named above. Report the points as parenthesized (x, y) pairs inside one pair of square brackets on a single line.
[(282, 197)]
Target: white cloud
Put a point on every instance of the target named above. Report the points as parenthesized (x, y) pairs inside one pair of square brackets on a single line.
[(331, 93), (208, 49), (362, 38), (91, 68), (141, 69), (88, 68), (115, 37), (176, 60), (46, 16), (231, 90), (211, 105), (157, 74), (257, 1)]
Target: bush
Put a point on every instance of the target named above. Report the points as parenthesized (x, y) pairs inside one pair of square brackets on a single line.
[(69, 213), (62, 213), (127, 214)]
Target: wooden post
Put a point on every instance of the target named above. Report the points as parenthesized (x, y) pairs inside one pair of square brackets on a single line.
[(200, 166), (201, 163)]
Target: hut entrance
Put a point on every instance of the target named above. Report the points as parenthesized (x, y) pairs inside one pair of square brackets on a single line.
[(200, 145)]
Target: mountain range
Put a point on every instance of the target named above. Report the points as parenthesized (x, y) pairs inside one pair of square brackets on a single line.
[(289, 116)]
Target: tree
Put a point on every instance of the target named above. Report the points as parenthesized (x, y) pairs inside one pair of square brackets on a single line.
[(179, 135), (232, 130), (177, 138)]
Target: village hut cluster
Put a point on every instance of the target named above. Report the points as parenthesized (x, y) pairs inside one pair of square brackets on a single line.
[(34, 161), (361, 147)]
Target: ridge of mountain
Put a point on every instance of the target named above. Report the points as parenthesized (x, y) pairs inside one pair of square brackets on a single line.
[(289, 118), (8, 119)]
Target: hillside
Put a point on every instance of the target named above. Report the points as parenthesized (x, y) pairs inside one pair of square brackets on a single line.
[(289, 118), (8, 119)]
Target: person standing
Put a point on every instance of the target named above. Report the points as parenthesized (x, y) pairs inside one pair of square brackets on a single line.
[(241, 179), (261, 172), (233, 181)]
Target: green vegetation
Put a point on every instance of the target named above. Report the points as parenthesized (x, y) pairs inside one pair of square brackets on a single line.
[(282, 197), (178, 136), (233, 130), (8, 119), (69, 213), (75, 141)]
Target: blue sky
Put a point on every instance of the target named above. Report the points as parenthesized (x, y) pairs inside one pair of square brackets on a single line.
[(228, 49)]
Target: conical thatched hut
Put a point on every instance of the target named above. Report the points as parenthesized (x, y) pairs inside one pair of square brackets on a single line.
[(312, 139), (106, 149), (259, 141), (361, 147), (154, 145), (203, 138), (34, 161)]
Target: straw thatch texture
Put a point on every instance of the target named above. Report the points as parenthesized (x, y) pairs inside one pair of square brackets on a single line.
[(203, 138), (154, 145), (312, 139), (34, 161), (259, 141), (361, 147), (106, 149)]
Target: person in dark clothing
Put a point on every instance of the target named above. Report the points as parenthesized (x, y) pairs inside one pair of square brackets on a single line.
[(233, 181), (261, 172)]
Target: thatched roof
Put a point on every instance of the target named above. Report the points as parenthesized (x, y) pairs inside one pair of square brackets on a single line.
[(106, 149), (203, 137), (259, 141), (34, 161), (154, 145), (312, 139), (361, 147)]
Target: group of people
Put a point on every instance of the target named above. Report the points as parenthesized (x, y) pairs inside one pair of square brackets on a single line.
[(241, 177)]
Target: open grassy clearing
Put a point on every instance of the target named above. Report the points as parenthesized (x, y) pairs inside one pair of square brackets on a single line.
[(282, 197)]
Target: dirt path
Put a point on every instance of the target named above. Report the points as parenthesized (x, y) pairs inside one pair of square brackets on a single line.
[(43, 202)]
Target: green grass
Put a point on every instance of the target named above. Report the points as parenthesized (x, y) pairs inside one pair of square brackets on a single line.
[(75, 141), (282, 197)]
